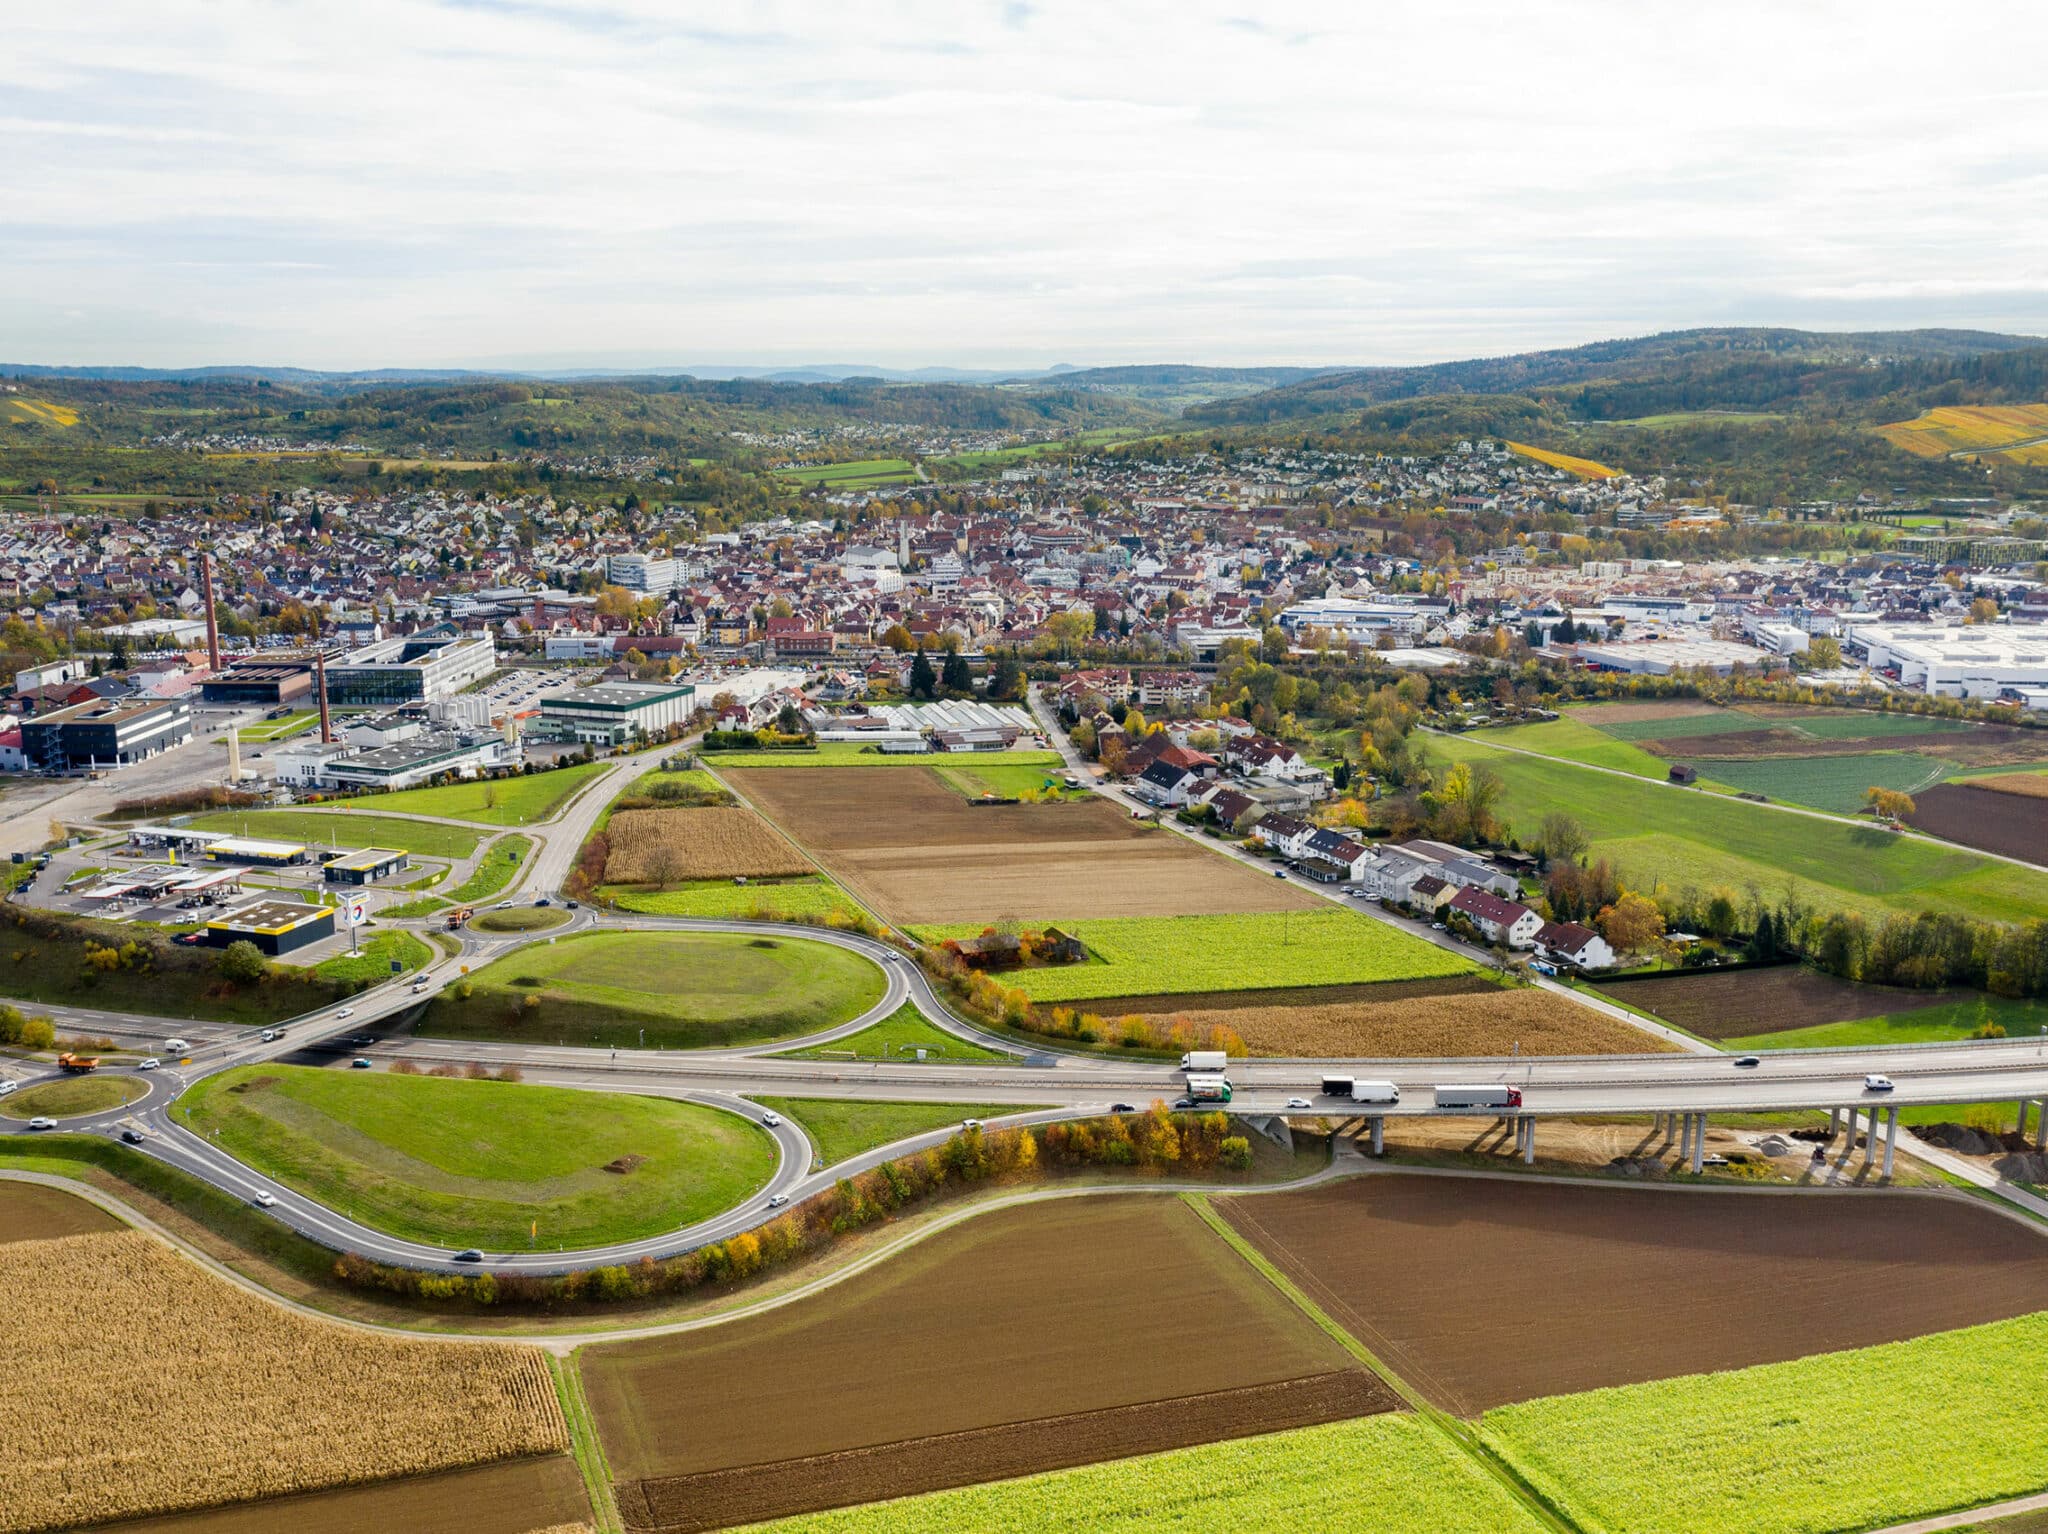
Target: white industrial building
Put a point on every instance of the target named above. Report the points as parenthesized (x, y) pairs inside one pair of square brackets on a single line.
[(611, 713), (1661, 657), (1974, 661), (654, 574), (416, 758)]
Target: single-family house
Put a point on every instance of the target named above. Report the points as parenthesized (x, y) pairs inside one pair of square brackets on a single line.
[(1335, 858), (1168, 787), (1431, 893), (1284, 834), (1570, 943)]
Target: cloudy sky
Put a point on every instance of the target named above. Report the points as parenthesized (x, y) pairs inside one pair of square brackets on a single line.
[(654, 182)]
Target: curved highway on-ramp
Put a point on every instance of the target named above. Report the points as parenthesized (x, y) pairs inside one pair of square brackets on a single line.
[(1044, 1083)]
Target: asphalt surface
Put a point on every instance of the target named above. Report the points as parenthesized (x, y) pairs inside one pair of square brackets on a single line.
[(1044, 1084)]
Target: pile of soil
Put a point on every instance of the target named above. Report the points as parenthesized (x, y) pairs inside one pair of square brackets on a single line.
[(1965, 1141), (623, 1164), (2029, 1166)]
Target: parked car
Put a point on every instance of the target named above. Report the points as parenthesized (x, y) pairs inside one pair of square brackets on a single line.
[(149, 1064), (1877, 1083)]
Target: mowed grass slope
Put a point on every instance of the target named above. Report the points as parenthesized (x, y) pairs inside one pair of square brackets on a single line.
[(680, 990), (519, 801), (1162, 955), (342, 828), (843, 1126), (777, 900), (898, 1037), (1683, 837), (1389, 1474), (479, 1163), (1856, 1440)]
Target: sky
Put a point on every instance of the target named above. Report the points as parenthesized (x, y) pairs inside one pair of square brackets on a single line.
[(639, 183)]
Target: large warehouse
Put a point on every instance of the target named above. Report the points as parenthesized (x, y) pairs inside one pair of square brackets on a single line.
[(265, 682), (611, 713), (109, 732), (416, 669), (1976, 661)]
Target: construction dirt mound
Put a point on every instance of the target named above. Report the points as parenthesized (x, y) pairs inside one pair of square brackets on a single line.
[(2022, 1166), (1965, 1141)]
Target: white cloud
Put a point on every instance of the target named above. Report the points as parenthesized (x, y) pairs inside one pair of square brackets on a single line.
[(413, 182)]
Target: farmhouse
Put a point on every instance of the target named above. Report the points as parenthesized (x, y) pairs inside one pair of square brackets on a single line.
[(1502, 921)]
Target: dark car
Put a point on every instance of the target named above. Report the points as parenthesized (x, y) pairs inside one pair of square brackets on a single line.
[(1183, 1102), (471, 1255), (132, 1136), (1123, 1108), (1746, 1061)]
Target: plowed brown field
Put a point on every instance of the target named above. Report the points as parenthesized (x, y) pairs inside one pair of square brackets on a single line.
[(31, 1212), (2014, 824), (915, 851), (1036, 1312), (668, 846), (1492, 1022), (515, 1497), (1482, 1291), (684, 1504), (1732, 1004)]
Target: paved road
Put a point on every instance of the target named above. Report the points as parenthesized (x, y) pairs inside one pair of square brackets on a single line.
[(1046, 1084)]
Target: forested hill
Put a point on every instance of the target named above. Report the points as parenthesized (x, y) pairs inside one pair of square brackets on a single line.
[(1683, 370)]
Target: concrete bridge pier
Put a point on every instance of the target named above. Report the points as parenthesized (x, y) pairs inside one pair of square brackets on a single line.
[(1891, 1139), (1849, 1145), (2040, 1126), (1835, 1123), (1870, 1137), (1684, 1136), (1526, 1128), (1379, 1134), (1699, 1141)]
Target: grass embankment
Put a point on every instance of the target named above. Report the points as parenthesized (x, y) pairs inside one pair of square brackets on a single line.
[(342, 828), (51, 970), (501, 860), (74, 1097), (1855, 1440), (1391, 1474), (680, 990), (898, 1037), (519, 801), (782, 900), (1686, 838), (848, 753), (840, 1127), (1163, 955), (373, 960), (481, 1163), (1950, 1020)]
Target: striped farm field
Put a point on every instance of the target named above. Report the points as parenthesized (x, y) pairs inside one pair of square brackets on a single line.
[(37, 412), (1162, 955), (1584, 468), (1966, 428)]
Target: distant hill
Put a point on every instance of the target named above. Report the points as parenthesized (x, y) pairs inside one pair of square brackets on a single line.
[(1679, 370)]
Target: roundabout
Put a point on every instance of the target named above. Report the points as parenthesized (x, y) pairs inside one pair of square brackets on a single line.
[(75, 1097)]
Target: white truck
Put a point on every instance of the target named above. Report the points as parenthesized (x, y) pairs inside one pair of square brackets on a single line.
[(1375, 1092), (1209, 1089), (1493, 1096), (1207, 1061)]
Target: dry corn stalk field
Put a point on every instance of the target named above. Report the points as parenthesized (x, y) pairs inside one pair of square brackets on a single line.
[(1478, 1023), (669, 846), (158, 1387)]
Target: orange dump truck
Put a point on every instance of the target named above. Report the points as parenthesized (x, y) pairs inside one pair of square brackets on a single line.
[(80, 1063)]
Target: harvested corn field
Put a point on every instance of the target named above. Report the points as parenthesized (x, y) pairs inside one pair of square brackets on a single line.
[(512, 1497), (160, 1388), (912, 850), (1491, 1021), (667, 847), (1734, 1003), (1044, 1335)]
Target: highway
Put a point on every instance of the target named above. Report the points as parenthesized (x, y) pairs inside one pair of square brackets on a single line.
[(1044, 1083)]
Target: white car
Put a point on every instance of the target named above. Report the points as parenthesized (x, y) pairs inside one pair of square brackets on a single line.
[(8, 1086), (1297, 1102), (777, 1200), (147, 1065), (42, 1123), (271, 1035), (344, 1012), (970, 1123), (1877, 1083), (264, 1200), (771, 1119), (175, 1046)]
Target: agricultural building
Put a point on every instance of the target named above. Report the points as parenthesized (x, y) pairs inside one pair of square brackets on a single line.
[(365, 867), (105, 733), (612, 713), (275, 926), (416, 669)]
